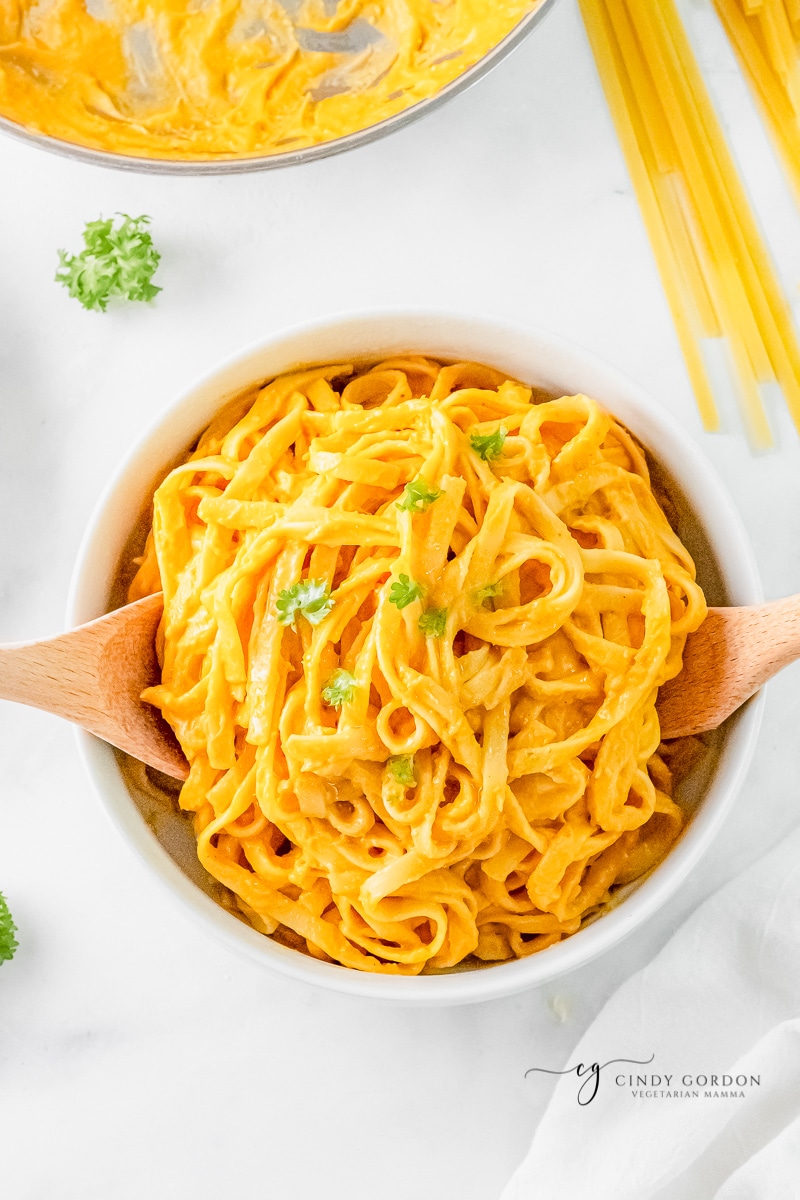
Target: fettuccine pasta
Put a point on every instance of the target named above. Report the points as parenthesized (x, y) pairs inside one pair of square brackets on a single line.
[(415, 620)]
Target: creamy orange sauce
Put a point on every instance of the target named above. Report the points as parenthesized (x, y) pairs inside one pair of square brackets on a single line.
[(200, 79)]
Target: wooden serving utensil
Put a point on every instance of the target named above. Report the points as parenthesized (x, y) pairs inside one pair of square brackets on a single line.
[(94, 675), (726, 661)]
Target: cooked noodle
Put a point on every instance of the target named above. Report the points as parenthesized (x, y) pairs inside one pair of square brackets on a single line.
[(415, 623)]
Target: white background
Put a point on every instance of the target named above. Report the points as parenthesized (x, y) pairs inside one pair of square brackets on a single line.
[(138, 1058)]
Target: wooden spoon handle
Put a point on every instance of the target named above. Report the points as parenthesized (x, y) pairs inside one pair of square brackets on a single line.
[(48, 675), (67, 675), (94, 676), (767, 640), (726, 661)]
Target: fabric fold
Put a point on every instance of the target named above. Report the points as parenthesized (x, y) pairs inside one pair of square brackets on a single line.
[(721, 1001)]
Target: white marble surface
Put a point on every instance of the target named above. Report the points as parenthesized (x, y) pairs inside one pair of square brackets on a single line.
[(137, 1057)]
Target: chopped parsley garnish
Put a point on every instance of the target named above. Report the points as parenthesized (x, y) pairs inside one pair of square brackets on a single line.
[(401, 768), (404, 592), (311, 598), (483, 595), (8, 941), (340, 688), (116, 260), (417, 496), (489, 446), (432, 622)]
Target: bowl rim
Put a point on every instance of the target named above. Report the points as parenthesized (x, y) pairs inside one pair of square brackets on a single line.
[(421, 329), (288, 158)]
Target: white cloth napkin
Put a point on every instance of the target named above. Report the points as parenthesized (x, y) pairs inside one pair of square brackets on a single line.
[(723, 999)]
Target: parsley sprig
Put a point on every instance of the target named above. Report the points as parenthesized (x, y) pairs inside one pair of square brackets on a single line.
[(482, 596), (340, 688), (432, 622), (310, 598), (402, 769), (116, 260), (489, 446), (418, 496), (404, 591), (8, 941)]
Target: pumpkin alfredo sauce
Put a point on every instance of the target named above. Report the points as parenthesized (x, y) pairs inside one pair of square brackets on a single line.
[(198, 79)]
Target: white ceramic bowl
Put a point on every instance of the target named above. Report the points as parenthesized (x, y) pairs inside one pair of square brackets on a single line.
[(536, 358)]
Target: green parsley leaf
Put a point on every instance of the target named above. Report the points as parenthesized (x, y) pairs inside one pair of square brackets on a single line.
[(404, 592), (8, 942), (489, 446), (340, 688), (483, 595), (116, 260), (432, 622), (417, 496), (310, 598), (401, 768)]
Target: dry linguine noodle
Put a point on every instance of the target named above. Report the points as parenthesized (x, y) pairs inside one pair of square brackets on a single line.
[(415, 622)]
